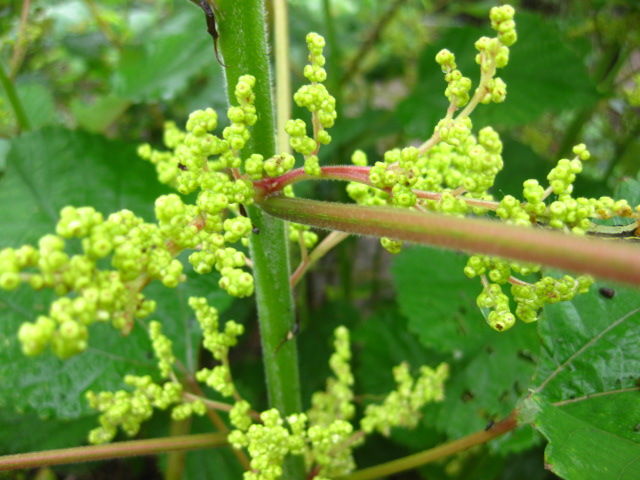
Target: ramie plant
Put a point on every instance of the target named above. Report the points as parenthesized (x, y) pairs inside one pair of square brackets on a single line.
[(450, 173)]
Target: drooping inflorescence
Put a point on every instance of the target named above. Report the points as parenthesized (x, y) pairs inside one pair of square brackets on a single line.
[(325, 436), (128, 409), (453, 173), (139, 252)]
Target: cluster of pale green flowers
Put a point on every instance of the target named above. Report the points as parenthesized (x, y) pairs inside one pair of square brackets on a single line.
[(139, 251), (455, 165), (566, 213), (453, 172), (127, 409), (325, 436)]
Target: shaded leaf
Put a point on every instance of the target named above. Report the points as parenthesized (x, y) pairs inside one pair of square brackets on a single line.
[(579, 450), (171, 54), (38, 104), (489, 370), (590, 345), (30, 432), (99, 114)]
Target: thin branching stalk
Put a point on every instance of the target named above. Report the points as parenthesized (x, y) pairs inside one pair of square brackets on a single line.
[(21, 42), (419, 459), (134, 448), (327, 243)]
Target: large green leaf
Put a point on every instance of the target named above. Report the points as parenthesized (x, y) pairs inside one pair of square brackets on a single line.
[(543, 75), (489, 370), (587, 402), (47, 170), (30, 432), (590, 345), (580, 450), (171, 54)]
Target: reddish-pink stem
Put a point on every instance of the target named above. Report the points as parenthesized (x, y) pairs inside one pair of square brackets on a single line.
[(349, 173)]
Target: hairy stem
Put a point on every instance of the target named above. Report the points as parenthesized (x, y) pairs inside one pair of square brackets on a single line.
[(133, 448), (243, 45), (619, 261), (417, 460)]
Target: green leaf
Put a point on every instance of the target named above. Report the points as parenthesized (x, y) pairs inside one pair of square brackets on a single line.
[(543, 75), (580, 450), (590, 368), (47, 170), (5, 145), (99, 114), (170, 55), (489, 370), (54, 167), (38, 104), (438, 299), (590, 345), (30, 432)]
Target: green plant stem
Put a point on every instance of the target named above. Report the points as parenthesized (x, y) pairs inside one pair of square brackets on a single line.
[(132, 448), (283, 77), (20, 46), (176, 459), (14, 100), (243, 45), (417, 460), (615, 261)]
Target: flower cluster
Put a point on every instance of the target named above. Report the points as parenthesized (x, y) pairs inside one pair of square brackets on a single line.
[(218, 343), (453, 171), (202, 161), (140, 252), (128, 409), (576, 215), (315, 98), (400, 408), (455, 165), (325, 436)]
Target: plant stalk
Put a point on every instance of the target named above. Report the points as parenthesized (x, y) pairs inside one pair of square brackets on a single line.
[(417, 460), (176, 459), (244, 48), (602, 258), (14, 100), (283, 77), (132, 448)]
